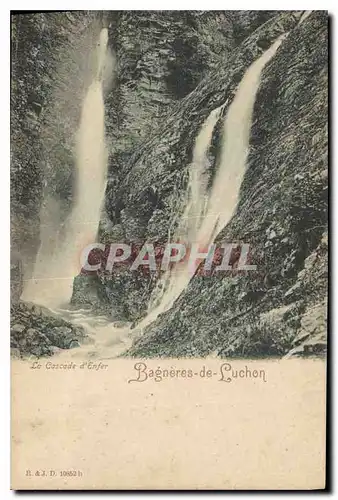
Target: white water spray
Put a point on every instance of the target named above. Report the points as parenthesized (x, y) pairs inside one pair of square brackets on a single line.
[(58, 261), (304, 16)]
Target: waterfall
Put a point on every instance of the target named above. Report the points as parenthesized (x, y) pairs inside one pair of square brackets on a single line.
[(304, 16), (197, 196), (193, 213), (58, 261), (202, 226), (224, 194)]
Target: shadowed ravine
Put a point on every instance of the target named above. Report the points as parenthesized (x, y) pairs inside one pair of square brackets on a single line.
[(204, 216)]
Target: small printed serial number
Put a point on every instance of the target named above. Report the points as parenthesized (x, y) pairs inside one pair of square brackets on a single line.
[(71, 473), (53, 473)]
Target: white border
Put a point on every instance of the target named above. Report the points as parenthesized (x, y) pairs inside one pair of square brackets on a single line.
[(172, 5), (4, 184)]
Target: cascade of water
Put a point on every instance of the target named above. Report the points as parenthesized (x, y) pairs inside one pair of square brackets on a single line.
[(196, 195), (304, 16), (57, 264), (223, 197)]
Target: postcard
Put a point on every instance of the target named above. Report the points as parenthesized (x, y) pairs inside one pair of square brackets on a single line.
[(169, 250)]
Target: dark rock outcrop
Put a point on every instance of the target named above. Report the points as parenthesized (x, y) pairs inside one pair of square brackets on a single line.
[(36, 332)]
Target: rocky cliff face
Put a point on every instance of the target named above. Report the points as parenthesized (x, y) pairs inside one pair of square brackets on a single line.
[(172, 70), (282, 212), (42, 124)]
